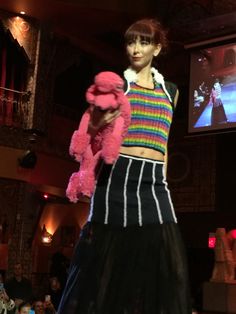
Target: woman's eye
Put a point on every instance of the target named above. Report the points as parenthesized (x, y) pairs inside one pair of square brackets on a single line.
[(130, 43)]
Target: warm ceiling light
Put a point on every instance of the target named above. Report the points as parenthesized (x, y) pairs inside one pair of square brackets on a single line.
[(22, 12), (46, 237)]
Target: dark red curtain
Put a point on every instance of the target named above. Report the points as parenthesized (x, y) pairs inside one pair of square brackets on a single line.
[(2, 83), (13, 73)]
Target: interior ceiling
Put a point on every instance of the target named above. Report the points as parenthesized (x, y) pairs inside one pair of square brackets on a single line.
[(95, 26)]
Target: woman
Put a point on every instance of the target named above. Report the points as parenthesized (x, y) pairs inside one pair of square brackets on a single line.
[(129, 259), (218, 115)]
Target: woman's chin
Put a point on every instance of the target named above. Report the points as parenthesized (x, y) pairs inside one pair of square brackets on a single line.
[(136, 67)]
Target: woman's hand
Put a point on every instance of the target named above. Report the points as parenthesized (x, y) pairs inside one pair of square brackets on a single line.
[(100, 118)]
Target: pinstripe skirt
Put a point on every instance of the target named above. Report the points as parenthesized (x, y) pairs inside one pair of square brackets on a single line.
[(130, 258), (133, 191)]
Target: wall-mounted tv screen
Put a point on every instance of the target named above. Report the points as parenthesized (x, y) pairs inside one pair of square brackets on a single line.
[(212, 93)]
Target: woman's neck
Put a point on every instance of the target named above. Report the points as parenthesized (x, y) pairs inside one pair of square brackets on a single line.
[(145, 78)]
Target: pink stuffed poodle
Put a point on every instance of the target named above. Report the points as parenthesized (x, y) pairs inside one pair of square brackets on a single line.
[(106, 93)]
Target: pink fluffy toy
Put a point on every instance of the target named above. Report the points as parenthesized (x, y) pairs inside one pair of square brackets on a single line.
[(106, 93)]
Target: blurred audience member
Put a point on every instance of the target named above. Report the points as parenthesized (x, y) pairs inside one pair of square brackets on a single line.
[(58, 268), (38, 307), (7, 305), (55, 291), (24, 308), (44, 307), (18, 287)]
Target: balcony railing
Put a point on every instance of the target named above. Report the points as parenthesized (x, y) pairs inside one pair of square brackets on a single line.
[(14, 108)]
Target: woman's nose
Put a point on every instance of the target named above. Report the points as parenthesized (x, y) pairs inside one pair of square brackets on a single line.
[(136, 47)]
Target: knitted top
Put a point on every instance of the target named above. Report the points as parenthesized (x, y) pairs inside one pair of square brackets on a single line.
[(151, 113)]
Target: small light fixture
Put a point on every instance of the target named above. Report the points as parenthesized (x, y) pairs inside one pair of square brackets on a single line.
[(211, 240), (45, 196), (46, 237), (22, 12)]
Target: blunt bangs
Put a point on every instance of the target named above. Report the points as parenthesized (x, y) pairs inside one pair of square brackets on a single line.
[(145, 32), (149, 30), (132, 37)]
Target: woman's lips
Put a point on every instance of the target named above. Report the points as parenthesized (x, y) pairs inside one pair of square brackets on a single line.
[(136, 58)]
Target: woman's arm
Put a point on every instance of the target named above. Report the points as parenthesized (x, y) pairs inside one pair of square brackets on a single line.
[(176, 98), (166, 161)]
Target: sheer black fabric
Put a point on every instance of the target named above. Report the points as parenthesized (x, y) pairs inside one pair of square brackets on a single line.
[(133, 270), (218, 113)]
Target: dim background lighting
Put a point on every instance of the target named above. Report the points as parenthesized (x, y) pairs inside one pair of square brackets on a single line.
[(211, 240), (45, 196)]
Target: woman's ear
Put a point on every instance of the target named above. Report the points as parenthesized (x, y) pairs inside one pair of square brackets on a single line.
[(157, 50)]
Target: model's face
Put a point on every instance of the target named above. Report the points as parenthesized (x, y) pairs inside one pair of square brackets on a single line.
[(141, 52)]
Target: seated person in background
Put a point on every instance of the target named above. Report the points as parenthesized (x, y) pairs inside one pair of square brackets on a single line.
[(44, 307), (38, 307), (59, 266), (55, 291), (18, 287), (24, 308)]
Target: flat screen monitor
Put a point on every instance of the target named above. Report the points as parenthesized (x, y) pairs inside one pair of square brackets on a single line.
[(212, 91)]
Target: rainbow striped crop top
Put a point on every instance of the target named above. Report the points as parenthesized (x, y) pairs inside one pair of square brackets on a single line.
[(151, 117)]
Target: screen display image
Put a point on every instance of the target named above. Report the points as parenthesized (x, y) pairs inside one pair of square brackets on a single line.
[(212, 93)]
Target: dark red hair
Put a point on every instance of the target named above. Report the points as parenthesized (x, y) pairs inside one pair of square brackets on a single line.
[(148, 29)]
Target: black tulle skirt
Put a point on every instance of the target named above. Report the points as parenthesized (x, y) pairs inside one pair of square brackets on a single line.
[(218, 113), (132, 270)]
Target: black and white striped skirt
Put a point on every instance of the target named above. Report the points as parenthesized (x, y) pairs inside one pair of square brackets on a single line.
[(130, 258), (133, 191)]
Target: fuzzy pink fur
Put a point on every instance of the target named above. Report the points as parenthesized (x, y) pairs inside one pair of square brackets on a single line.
[(105, 93), (78, 145), (81, 184)]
